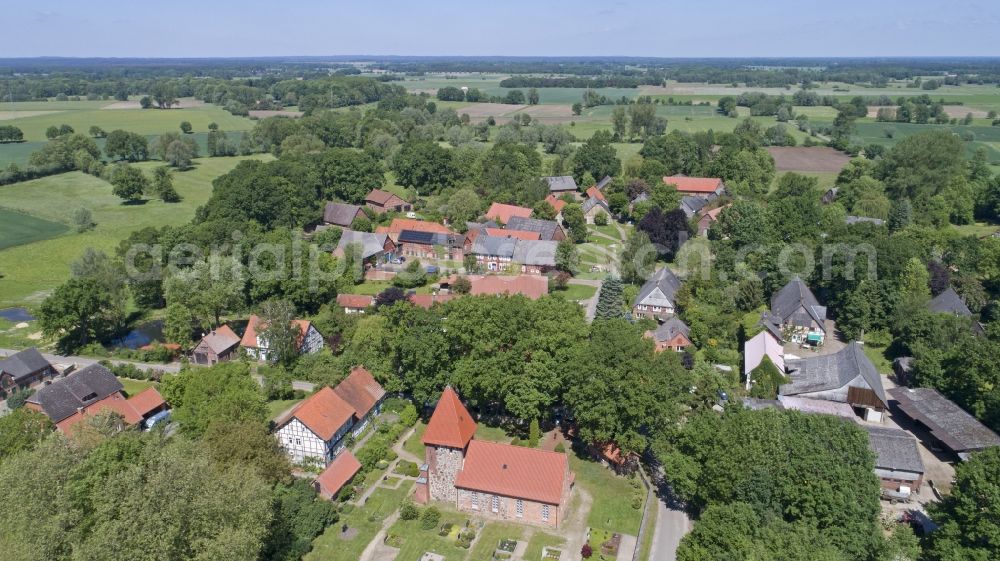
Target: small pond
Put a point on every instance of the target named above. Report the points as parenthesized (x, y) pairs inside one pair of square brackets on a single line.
[(142, 335), (16, 315)]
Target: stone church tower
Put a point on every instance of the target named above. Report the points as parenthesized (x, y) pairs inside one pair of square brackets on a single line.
[(446, 439)]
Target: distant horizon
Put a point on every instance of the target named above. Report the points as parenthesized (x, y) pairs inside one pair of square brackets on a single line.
[(556, 28), (364, 57)]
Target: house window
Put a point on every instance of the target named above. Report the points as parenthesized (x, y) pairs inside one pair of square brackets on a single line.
[(475, 500), (495, 504), (298, 441), (520, 508), (545, 513)]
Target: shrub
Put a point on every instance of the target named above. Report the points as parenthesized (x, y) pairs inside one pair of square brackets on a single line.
[(408, 417), (409, 511), (445, 530), (429, 518), (585, 551), (601, 219), (560, 448), (18, 397)]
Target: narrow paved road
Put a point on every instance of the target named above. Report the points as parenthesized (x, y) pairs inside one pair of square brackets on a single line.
[(671, 525), (82, 361)]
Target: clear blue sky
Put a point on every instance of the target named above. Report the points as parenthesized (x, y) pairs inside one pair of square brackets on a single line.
[(688, 28)]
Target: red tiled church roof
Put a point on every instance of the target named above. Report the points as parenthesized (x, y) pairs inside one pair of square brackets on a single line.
[(514, 471), (451, 424)]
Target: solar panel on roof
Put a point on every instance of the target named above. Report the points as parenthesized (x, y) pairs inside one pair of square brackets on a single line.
[(416, 237)]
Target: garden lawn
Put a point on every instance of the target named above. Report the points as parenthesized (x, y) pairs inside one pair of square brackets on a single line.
[(416, 540), (539, 541), (489, 539), (330, 547), (33, 270), (277, 407), (577, 292), (413, 444), (492, 434), (133, 387), (612, 494)]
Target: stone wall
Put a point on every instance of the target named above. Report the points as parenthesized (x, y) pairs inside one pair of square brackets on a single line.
[(443, 466)]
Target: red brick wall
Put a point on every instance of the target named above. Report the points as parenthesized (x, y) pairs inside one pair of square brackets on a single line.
[(482, 505)]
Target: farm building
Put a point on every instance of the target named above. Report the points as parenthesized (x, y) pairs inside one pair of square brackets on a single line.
[(704, 187), (847, 376), (374, 248), (562, 184), (219, 345), (340, 214), (547, 229), (24, 369), (431, 245), (383, 201), (502, 213), (946, 422), (897, 458)]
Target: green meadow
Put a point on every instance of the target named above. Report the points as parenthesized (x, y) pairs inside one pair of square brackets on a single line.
[(17, 228), (31, 270)]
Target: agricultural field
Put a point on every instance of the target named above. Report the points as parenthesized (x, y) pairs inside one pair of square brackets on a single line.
[(34, 117), (33, 269), (18, 229)]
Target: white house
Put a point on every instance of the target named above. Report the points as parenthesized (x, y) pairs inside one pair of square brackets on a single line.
[(315, 429), (310, 339)]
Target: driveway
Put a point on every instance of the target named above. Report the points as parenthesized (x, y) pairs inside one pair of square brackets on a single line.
[(590, 304)]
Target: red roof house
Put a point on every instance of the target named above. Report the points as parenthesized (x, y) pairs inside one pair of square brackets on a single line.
[(354, 303), (133, 410), (399, 224), (595, 193), (516, 234), (503, 213), (383, 201), (324, 413), (531, 286), (340, 471), (360, 391), (555, 203), (697, 186)]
